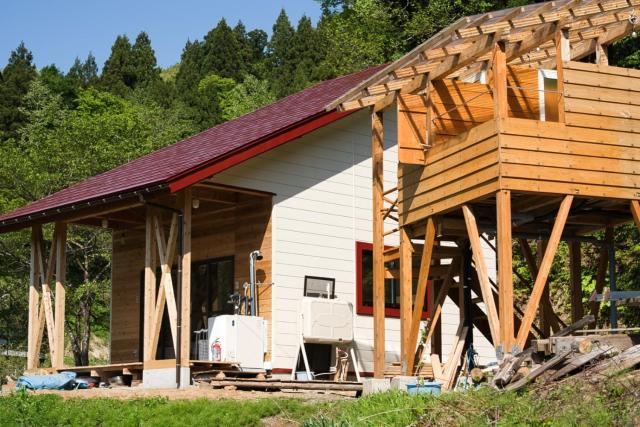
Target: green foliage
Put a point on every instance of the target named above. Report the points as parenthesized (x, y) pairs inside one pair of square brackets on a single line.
[(224, 51), (246, 97), (16, 77)]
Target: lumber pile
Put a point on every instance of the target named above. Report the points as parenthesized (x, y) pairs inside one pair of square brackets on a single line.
[(558, 357)]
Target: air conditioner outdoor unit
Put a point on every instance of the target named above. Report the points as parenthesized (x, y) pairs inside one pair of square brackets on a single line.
[(241, 340), (326, 321)]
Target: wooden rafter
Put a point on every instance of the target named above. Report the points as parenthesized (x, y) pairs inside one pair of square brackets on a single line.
[(460, 45)]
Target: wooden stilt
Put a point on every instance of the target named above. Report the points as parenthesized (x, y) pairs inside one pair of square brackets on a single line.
[(563, 54), (407, 348), (543, 271), (545, 300), (483, 277), (499, 64), (185, 334), (602, 53), (601, 274), (421, 290), (61, 267), (575, 267), (377, 157), (505, 269), (34, 305)]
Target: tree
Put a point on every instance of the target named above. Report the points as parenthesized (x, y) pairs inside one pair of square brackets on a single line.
[(307, 54), (144, 65), (16, 77), (118, 73), (223, 54), (280, 56), (84, 74), (246, 97)]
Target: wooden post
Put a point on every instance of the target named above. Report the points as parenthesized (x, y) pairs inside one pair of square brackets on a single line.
[(601, 274), (543, 310), (505, 268), (61, 267), (483, 276), (150, 263), (500, 106), (602, 54), (576, 281), (185, 342), (563, 54), (407, 349), (34, 305), (377, 157), (543, 271)]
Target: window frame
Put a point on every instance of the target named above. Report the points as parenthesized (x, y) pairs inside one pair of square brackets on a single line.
[(366, 310)]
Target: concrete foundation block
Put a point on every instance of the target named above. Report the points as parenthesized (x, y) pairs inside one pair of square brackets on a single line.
[(165, 378), (401, 382), (375, 385)]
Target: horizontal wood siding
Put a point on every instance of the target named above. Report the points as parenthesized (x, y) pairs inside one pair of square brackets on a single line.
[(602, 97), (459, 170), (552, 157)]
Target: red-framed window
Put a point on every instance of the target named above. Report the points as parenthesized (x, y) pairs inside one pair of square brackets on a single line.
[(364, 285)]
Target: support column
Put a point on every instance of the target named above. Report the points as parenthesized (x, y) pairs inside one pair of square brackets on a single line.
[(612, 279), (505, 269), (407, 348), (545, 319), (34, 304), (185, 298), (61, 267), (377, 157), (602, 54), (576, 281), (500, 106), (563, 54), (150, 263)]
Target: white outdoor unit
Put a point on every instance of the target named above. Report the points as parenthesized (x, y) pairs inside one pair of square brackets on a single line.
[(326, 321), (241, 338)]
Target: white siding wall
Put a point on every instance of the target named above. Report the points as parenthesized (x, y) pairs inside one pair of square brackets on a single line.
[(322, 206)]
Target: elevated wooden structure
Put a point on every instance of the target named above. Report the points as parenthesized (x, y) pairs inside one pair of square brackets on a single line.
[(502, 132)]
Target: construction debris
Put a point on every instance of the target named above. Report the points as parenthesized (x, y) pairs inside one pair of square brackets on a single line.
[(557, 357)]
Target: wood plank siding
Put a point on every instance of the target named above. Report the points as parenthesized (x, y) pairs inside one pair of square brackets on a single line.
[(235, 232)]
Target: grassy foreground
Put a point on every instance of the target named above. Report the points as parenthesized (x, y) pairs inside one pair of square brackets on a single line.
[(576, 403)]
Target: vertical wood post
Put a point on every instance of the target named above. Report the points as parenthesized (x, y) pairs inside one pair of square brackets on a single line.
[(61, 267), (563, 54), (602, 54), (576, 281), (377, 157), (545, 319), (185, 337), (505, 269), (500, 106), (407, 348), (34, 304), (150, 264), (601, 274)]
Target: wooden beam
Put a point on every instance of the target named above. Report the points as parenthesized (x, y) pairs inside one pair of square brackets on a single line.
[(407, 348), (150, 263), (563, 54), (499, 66), (481, 269), (377, 158), (438, 301), (454, 357), (575, 267), (34, 305), (46, 315), (602, 54), (185, 306), (61, 269), (505, 268), (543, 271), (421, 290), (635, 212), (603, 267), (545, 299)]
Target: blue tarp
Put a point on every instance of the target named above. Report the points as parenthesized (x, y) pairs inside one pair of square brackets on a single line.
[(62, 381)]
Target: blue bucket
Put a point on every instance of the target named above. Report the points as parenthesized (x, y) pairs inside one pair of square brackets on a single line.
[(426, 388)]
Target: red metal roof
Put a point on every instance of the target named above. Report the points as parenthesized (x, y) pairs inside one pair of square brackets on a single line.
[(172, 166)]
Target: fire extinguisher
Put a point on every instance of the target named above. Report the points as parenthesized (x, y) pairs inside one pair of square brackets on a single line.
[(216, 350)]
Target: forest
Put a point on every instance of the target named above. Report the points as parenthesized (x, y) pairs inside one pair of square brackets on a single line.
[(58, 127)]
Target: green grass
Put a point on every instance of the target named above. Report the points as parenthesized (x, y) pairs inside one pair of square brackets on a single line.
[(615, 402)]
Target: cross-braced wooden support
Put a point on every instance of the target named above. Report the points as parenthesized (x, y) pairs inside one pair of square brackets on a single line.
[(45, 307)]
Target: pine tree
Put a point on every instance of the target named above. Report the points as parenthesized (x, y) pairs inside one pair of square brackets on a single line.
[(222, 54), (17, 77), (83, 74), (118, 74), (307, 54), (144, 64), (258, 40), (244, 47), (280, 56)]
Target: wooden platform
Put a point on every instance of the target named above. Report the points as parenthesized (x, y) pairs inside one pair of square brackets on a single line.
[(107, 371), (274, 384)]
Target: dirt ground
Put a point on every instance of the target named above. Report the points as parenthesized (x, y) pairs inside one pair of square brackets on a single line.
[(190, 393)]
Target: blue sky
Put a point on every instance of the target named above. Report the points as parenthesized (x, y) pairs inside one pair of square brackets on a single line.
[(57, 31)]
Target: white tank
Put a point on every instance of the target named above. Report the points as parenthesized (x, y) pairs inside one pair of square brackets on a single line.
[(326, 321), (241, 340)]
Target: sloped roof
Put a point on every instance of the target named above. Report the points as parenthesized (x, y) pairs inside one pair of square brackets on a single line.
[(196, 153)]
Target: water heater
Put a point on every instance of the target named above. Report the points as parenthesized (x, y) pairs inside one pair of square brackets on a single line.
[(326, 321), (241, 340)]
